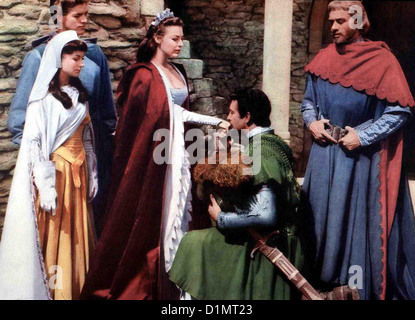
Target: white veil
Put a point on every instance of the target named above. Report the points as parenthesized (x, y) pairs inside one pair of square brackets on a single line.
[(50, 63)]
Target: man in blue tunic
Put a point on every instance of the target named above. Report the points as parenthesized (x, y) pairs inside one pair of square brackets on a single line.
[(361, 217), (95, 76)]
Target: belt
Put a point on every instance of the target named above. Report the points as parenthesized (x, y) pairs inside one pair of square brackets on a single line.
[(335, 131), (76, 163)]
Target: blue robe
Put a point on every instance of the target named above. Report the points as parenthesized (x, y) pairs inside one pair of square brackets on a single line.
[(95, 77), (342, 193)]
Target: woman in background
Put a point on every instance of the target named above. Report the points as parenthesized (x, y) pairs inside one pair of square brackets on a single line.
[(48, 235)]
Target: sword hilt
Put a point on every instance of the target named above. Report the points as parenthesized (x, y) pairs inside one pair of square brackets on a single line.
[(260, 240)]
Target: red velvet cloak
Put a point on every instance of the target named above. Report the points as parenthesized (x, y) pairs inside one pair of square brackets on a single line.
[(126, 264)]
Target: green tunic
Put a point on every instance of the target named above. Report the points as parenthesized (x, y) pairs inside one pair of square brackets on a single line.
[(211, 264)]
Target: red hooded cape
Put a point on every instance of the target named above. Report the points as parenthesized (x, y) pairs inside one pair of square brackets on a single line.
[(126, 264), (366, 66)]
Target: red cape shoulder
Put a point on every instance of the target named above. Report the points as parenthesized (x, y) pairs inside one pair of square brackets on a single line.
[(366, 66)]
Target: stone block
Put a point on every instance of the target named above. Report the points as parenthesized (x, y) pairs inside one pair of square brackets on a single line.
[(7, 38), (7, 84), (3, 118), (17, 26), (5, 134), (8, 160), (6, 146), (6, 98), (239, 15), (91, 26), (5, 60), (110, 44), (215, 62), (299, 73), (220, 69), (151, 7), (198, 3), (130, 33), (111, 9), (3, 200), (128, 55), (15, 63), (108, 22), (218, 4), (259, 10), (220, 105), (203, 87), (194, 67), (28, 11), (5, 4), (116, 64), (101, 34), (193, 98), (185, 52), (234, 8), (203, 106), (254, 26), (234, 42), (5, 186), (197, 17)]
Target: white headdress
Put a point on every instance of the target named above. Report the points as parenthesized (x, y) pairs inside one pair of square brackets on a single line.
[(161, 16), (50, 63)]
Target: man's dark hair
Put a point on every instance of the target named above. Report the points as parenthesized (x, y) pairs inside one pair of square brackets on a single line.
[(67, 5), (256, 103)]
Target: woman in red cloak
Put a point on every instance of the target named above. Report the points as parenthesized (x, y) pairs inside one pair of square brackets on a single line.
[(148, 206)]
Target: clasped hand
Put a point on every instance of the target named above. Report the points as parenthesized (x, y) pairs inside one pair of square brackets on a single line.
[(213, 208), (350, 141)]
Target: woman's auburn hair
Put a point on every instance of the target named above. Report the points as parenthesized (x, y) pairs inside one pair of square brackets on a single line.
[(148, 46), (54, 85)]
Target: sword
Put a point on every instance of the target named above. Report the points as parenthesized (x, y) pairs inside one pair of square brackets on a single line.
[(282, 263)]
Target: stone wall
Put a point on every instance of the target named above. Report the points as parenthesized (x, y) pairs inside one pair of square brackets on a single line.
[(18, 25), (300, 40), (228, 36)]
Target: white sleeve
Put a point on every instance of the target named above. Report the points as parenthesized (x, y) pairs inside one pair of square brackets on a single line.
[(193, 117)]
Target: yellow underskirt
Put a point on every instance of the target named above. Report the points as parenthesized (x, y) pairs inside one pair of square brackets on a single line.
[(68, 238)]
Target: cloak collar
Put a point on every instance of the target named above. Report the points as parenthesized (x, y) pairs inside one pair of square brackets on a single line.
[(366, 66)]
